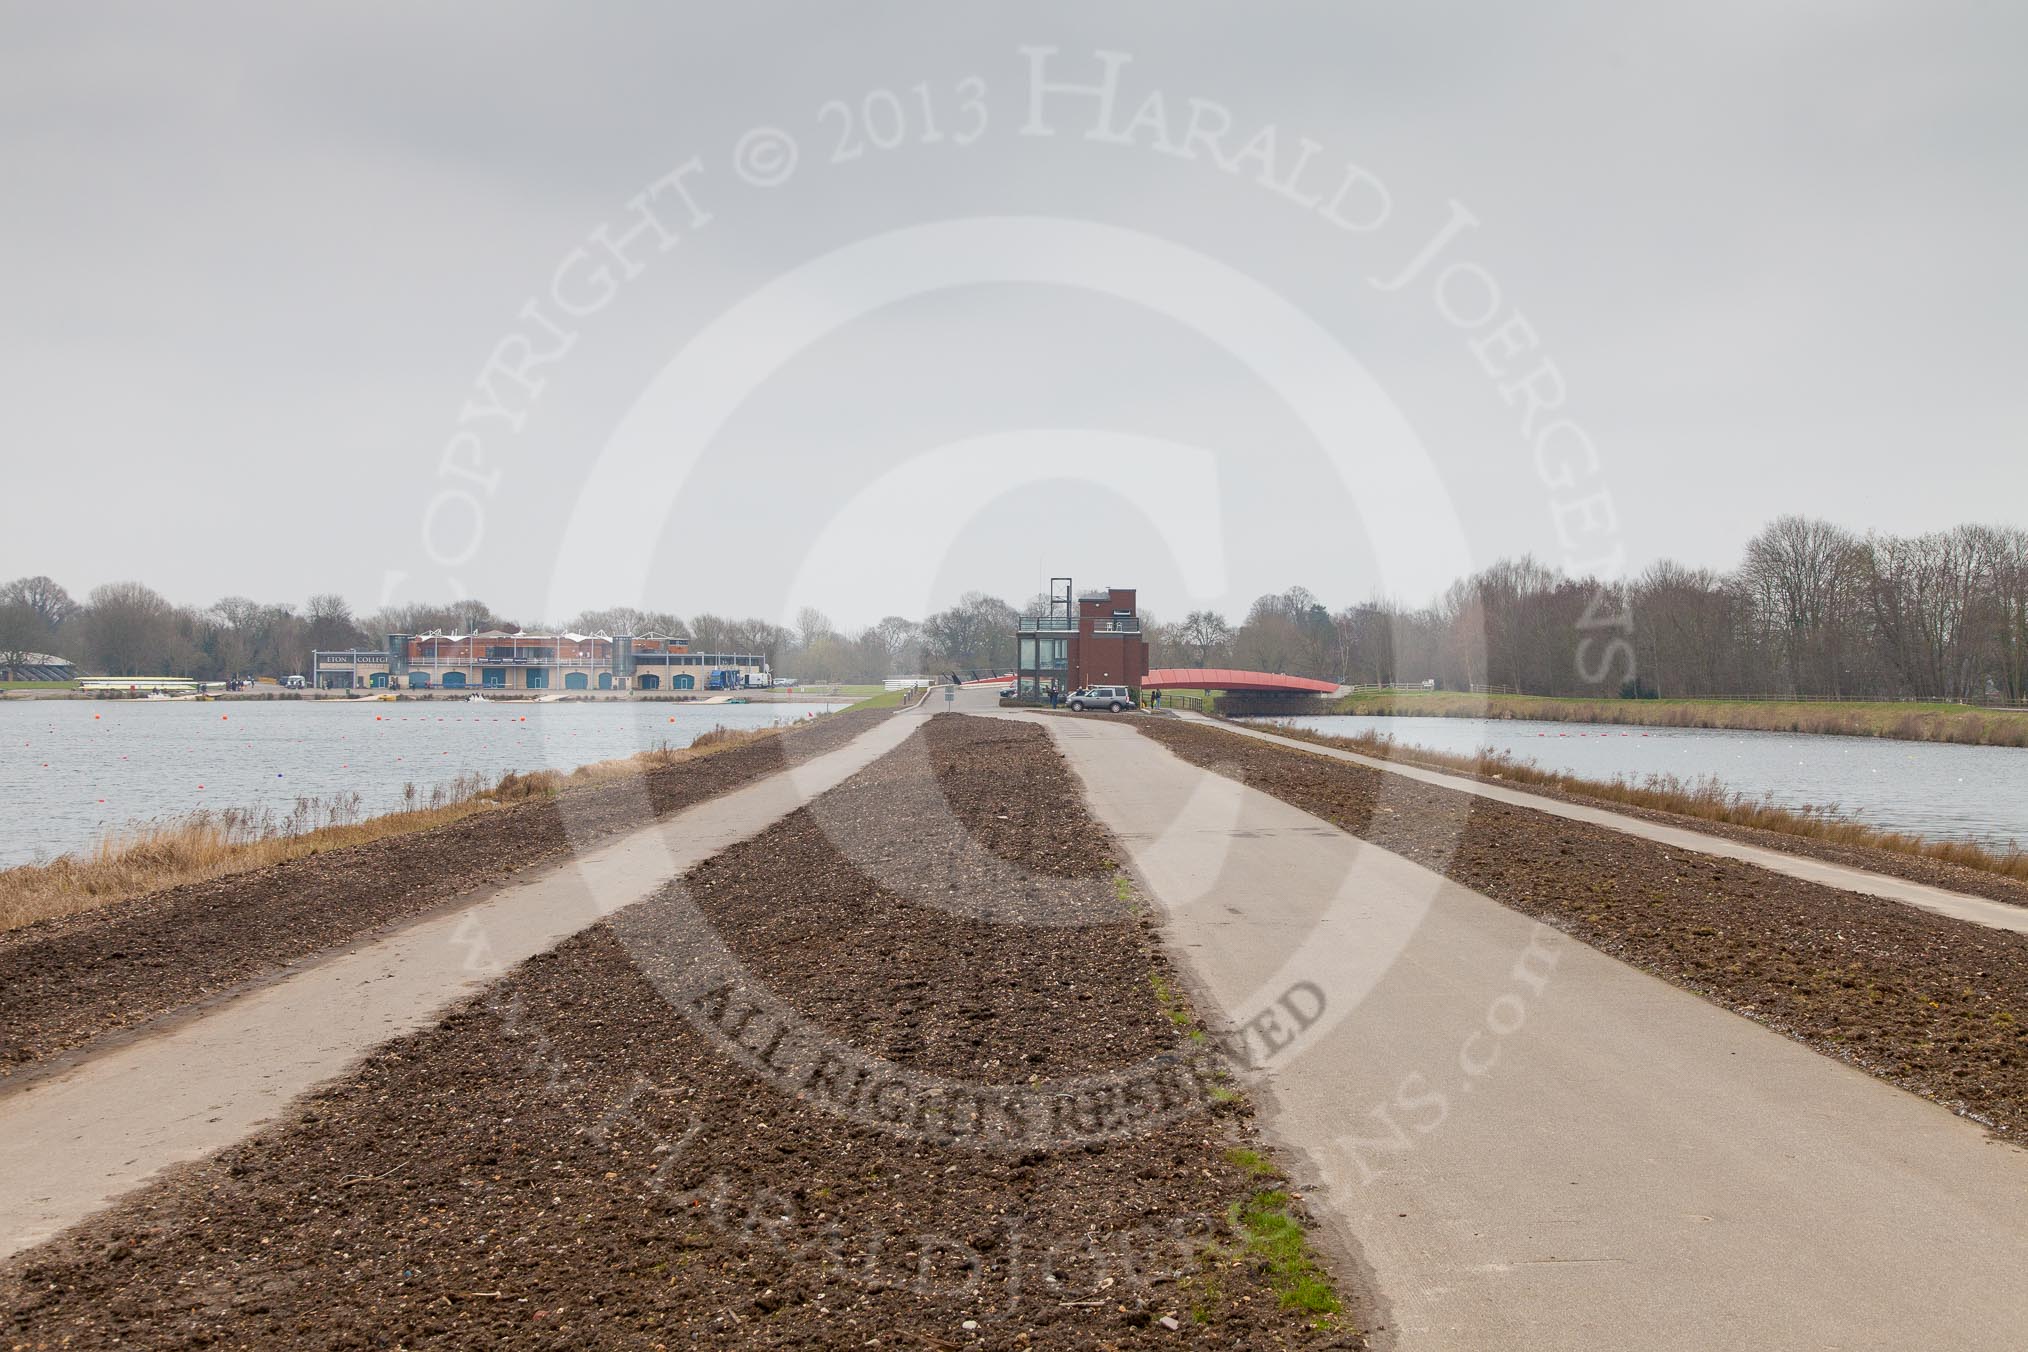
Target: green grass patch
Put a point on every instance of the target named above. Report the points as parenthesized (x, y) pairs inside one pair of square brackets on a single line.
[(886, 699), (1206, 1295), (1176, 1007), (1270, 1235), (1265, 1230), (1172, 1001), (37, 685)]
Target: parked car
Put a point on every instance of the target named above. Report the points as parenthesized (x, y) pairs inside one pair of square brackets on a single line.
[(1009, 691), (1113, 697)]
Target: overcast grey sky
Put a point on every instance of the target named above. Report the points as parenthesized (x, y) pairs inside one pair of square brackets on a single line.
[(258, 260)]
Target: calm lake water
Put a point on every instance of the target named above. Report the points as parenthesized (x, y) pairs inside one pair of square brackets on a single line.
[(1934, 789), (72, 770)]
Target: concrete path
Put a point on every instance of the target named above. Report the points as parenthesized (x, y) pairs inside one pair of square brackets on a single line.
[(71, 1144), (1532, 1145), (1957, 905)]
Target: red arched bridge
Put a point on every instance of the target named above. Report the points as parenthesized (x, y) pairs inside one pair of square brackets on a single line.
[(1236, 682)]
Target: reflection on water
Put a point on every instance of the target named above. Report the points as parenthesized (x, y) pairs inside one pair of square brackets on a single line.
[(1936, 789), (70, 770)]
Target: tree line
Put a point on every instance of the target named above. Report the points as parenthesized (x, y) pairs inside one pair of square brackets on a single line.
[(129, 629), (1811, 609)]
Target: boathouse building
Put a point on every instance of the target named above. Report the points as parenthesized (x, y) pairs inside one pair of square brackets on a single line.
[(496, 660)]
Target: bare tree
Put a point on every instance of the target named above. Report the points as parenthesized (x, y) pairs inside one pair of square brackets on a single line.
[(468, 616), (1802, 575), (129, 630), (51, 603), (330, 625), (1688, 630), (1205, 634), (975, 635), (899, 642), (1930, 602), (2008, 553), (626, 620), (22, 635), (811, 625), (1368, 633)]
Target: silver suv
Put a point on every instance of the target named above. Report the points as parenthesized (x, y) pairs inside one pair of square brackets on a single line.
[(1113, 697)]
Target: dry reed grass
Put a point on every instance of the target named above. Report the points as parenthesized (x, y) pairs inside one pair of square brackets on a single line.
[(206, 845), (1900, 722), (1706, 799)]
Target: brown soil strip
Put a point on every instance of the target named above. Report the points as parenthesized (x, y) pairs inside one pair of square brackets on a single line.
[(1914, 867), (1935, 1005), (1919, 868), (572, 1160), (66, 982)]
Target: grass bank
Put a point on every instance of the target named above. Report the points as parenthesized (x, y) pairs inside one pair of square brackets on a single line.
[(1910, 722), (209, 845), (836, 690), (886, 699), (1705, 799), (883, 698)]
